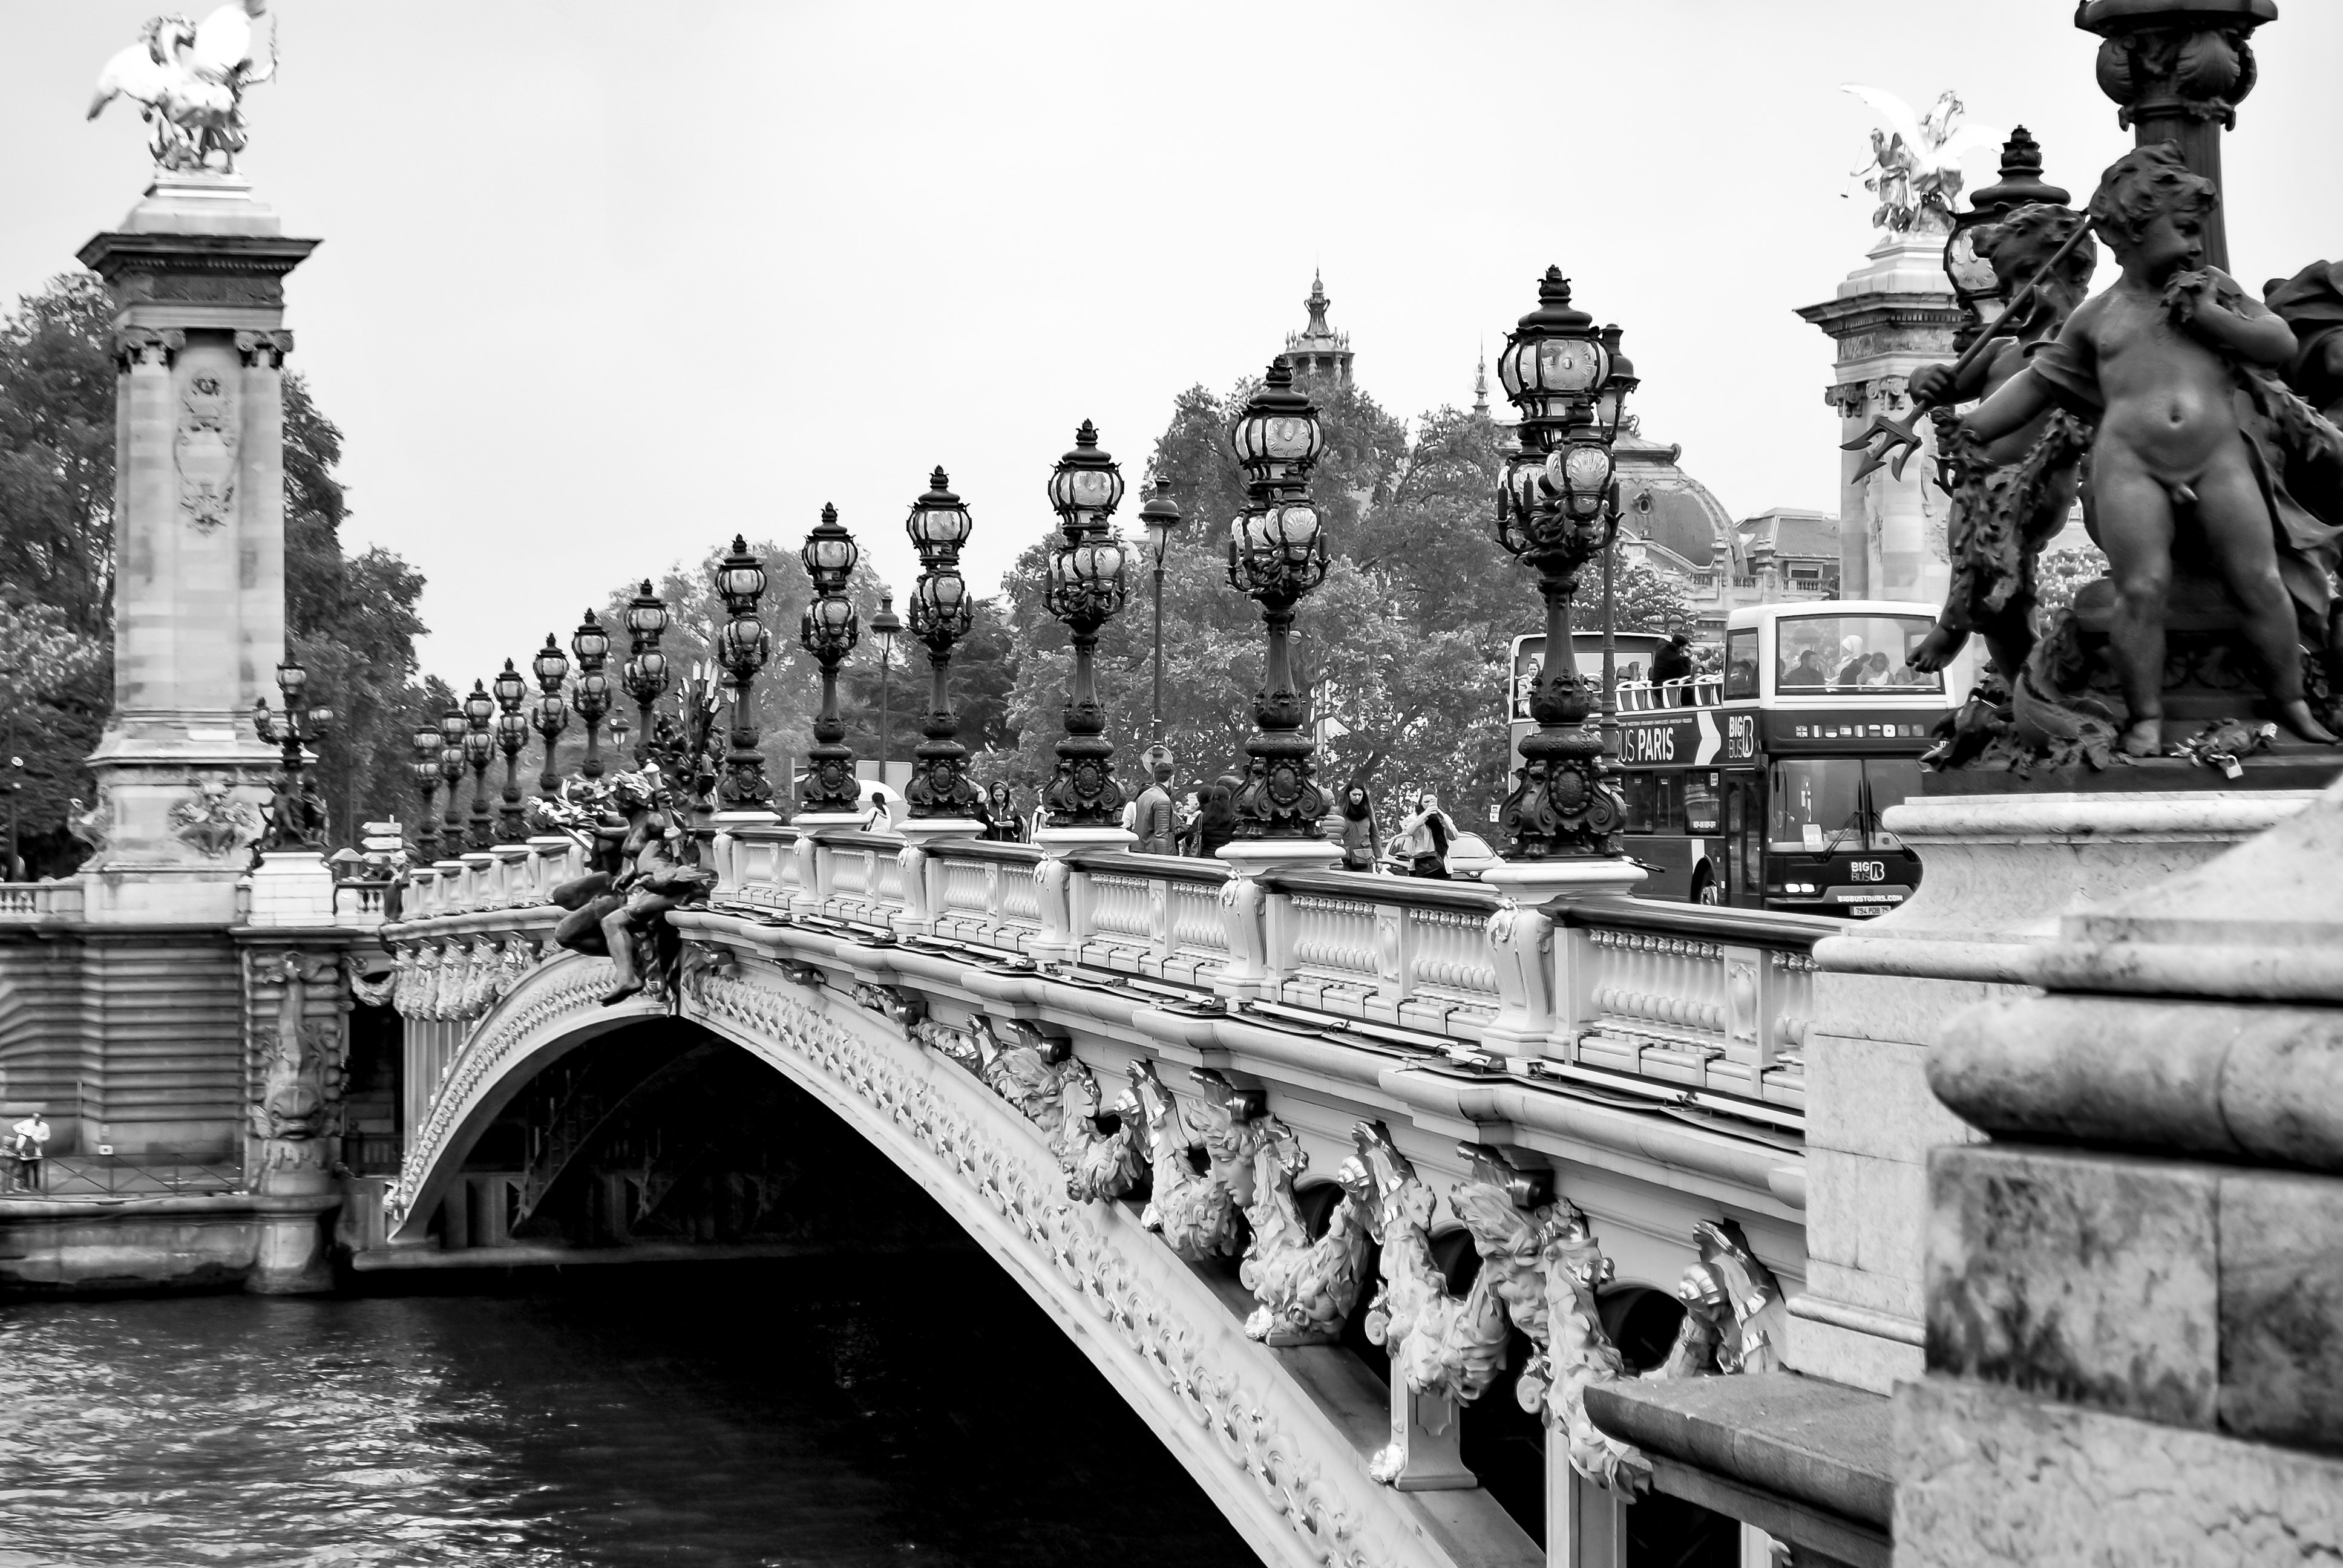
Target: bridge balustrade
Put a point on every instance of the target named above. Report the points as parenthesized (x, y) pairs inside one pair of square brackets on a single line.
[(1681, 1000), (28, 903)]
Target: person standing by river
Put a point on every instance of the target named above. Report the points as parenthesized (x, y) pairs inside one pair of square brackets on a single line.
[(28, 1142)]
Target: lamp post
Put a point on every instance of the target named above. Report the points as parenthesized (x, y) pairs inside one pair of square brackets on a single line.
[(591, 697), (829, 631), (552, 716), (941, 616), (479, 750), (1558, 509), (296, 817), (885, 628), (742, 648), (1085, 590), (453, 728), (643, 674), (1161, 517), (1277, 554), (511, 689), (425, 744)]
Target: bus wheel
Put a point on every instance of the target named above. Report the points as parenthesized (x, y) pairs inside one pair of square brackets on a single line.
[(1704, 890)]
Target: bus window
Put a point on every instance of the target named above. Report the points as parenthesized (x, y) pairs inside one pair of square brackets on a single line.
[(1700, 803), (1741, 662), (1844, 653), (1639, 791), (1817, 805), (1893, 780)]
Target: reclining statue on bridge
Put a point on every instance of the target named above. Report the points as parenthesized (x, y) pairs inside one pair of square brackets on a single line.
[(643, 869)]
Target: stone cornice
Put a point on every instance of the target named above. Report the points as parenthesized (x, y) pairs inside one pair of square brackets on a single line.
[(112, 254), (1861, 312)]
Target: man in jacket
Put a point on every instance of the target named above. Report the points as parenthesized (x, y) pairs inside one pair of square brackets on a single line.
[(1152, 817)]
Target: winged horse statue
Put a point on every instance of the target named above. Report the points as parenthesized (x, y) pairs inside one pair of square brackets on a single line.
[(188, 79), (1915, 162)]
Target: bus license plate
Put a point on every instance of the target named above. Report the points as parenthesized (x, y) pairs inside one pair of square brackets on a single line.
[(1868, 870)]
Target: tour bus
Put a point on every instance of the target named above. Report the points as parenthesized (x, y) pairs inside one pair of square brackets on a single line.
[(1762, 785)]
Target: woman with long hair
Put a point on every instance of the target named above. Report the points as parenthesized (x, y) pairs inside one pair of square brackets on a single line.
[(1426, 839), (1362, 844), (1000, 812)]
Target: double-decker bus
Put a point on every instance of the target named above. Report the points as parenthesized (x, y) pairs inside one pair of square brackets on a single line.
[(1763, 786)]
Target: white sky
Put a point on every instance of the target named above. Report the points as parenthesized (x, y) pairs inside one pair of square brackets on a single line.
[(603, 284)]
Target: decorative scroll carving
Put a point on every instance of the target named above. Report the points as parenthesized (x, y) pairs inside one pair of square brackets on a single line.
[(209, 437), (1097, 1148), (264, 350), (301, 1075), (1441, 1343), (136, 345), (896, 1006), (1198, 1214), (1305, 1287), (372, 978)]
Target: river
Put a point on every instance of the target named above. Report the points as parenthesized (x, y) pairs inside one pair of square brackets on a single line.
[(898, 1412)]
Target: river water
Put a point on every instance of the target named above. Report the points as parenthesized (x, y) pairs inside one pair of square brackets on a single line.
[(897, 1412)]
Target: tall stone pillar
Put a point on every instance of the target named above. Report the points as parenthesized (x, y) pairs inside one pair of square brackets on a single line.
[(199, 272), (1891, 316)]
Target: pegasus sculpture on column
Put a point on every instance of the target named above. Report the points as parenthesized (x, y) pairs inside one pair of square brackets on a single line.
[(188, 79)]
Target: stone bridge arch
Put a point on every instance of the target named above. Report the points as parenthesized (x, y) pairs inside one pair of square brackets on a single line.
[(1279, 1439)]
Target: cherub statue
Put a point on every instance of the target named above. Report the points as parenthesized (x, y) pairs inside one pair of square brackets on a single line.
[(188, 82), (2158, 361), (2012, 495), (643, 870)]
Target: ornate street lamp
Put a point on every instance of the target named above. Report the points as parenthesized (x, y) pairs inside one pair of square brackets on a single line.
[(885, 628), (827, 631), (1975, 283), (512, 738), (1557, 508), (296, 817), (941, 615), (742, 648), (643, 674), (425, 743), (1277, 554), (1085, 590), (453, 728), (552, 715), (479, 750), (591, 695), (1161, 517)]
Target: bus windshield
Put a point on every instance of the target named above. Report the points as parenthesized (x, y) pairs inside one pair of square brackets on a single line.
[(1835, 654), (1819, 806)]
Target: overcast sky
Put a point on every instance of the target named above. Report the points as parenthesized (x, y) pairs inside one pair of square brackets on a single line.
[(603, 284)]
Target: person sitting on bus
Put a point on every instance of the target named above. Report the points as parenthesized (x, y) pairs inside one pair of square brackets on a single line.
[(1874, 670), (1808, 671), (1671, 662)]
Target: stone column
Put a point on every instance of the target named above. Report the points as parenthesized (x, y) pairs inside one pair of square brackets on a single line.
[(2135, 1290), (197, 271), (1890, 316), (2004, 870)]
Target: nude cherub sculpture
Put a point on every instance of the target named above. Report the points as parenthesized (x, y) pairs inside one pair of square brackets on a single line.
[(639, 876), (2012, 494), (2158, 359)]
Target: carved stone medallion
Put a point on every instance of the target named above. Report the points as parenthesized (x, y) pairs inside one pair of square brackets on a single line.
[(207, 449)]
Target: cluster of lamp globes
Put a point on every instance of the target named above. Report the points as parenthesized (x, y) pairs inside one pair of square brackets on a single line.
[(1571, 382)]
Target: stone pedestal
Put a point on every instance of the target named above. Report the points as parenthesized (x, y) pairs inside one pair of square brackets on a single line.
[(1891, 316), (2135, 1292), (293, 1257), (1521, 935), (1244, 905), (2002, 872), (1059, 940), (197, 271), (921, 893)]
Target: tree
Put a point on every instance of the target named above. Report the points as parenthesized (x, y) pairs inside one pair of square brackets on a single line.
[(2061, 574), (1642, 598), (352, 623)]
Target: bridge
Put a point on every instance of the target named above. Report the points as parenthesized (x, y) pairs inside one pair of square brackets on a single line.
[(1342, 1180)]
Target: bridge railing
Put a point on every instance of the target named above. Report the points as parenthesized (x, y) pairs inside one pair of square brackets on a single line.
[(1682, 999), (26, 903)]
